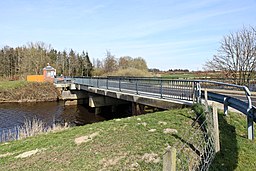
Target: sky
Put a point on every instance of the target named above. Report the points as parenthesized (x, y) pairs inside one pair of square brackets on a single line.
[(168, 34)]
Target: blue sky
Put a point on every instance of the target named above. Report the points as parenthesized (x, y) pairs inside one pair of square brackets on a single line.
[(168, 34)]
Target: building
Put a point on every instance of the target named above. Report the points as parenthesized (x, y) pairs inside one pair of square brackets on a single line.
[(48, 75)]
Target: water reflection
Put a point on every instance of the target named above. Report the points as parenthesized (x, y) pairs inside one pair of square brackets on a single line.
[(14, 114)]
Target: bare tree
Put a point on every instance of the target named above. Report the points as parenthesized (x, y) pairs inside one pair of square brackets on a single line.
[(236, 56), (110, 63)]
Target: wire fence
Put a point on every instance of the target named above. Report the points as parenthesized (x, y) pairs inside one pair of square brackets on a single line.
[(197, 152)]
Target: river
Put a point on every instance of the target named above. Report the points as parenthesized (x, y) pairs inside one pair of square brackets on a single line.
[(14, 114)]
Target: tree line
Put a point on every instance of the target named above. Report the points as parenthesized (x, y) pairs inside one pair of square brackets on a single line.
[(33, 57), (30, 59), (123, 66)]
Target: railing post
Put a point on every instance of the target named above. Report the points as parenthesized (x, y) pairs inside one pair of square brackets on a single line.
[(198, 92), (136, 84), (119, 83), (97, 82), (107, 83), (161, 88)]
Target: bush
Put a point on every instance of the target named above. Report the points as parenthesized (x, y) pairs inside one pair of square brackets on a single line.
[(130, 72)]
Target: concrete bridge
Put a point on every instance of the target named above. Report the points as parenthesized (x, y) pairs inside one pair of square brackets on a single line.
[(155, 92)]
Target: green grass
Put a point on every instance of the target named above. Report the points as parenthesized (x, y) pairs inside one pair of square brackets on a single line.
[(177, 76), (120, 144), (237, 152), (8, 85)]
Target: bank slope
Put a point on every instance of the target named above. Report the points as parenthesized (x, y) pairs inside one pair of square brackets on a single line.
[(23, 91), (135, 143)]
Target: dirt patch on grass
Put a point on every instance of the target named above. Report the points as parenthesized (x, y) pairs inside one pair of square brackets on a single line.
[(87, 138), (5, 155), (170, 131), (151, 158), (111, 162), (29, 153), (162, 123)]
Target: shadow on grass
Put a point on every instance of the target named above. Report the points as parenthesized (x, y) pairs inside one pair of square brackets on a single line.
[(227, 158)]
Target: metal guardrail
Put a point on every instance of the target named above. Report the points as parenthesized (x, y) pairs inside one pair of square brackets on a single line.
[(189, 90)]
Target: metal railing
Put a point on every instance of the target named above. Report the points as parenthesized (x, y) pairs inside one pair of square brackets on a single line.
[(175, 89), (235, 96)]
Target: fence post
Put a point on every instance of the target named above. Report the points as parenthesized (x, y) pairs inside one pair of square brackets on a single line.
[(169, 159), (216, 127)]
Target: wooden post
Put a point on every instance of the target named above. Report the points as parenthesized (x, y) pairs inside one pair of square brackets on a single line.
[(169, 159), (216, 127)]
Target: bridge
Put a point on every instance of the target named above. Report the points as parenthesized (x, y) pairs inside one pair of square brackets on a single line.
[(165, 93)]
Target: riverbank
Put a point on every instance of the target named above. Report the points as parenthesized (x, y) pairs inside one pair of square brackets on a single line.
[(23, 91), (134, 143)]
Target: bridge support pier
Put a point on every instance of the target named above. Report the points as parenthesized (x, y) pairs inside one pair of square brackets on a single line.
[(137, 109)]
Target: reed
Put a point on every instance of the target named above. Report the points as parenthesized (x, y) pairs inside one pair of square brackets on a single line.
[(30, 128)]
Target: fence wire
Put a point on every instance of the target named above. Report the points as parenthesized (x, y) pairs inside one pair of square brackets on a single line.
[(197, 152)]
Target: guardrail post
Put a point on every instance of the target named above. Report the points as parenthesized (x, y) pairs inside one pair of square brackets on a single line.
[(250, 126), (225, 106), (98, 82)]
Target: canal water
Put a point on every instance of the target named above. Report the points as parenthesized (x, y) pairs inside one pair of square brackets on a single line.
[(14, 114)]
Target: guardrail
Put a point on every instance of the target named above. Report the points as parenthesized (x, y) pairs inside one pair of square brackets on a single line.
[(189, 90)]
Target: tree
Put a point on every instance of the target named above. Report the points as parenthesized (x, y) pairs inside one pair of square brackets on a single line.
[(236, 56), (85, 64), (110, 63)]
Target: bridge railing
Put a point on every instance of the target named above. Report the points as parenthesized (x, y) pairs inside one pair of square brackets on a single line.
[(167, 89), (235, 96)]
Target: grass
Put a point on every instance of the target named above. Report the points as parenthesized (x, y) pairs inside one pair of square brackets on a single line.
[(9, 85), (178, 76), (120, 144), (127, 144), (237, 152)]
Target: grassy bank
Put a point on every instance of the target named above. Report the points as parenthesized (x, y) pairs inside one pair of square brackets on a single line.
[(135, 143), (23, 91)]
